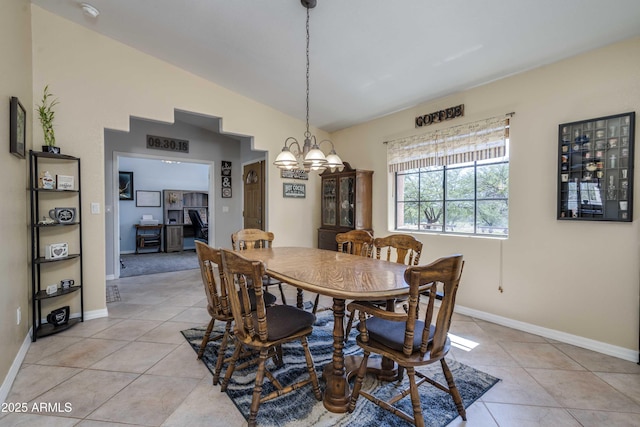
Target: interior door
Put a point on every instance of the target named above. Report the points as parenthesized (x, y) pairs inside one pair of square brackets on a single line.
[(253, 179)]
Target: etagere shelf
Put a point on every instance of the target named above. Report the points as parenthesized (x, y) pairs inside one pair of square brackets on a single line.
[(44, 228)]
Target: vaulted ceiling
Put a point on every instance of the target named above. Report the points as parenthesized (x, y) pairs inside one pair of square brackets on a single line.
[(369, 58)]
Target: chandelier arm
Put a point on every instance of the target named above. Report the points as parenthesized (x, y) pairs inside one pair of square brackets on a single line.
[(293, 142)]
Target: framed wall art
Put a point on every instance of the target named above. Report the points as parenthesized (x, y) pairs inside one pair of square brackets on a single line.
[(18, 127), (595, 169), (125, 183), (297, 191)]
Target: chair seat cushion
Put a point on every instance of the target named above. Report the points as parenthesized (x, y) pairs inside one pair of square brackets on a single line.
[(391, 333), (285, 320)]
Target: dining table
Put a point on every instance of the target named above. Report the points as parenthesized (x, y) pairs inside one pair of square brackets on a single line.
[(342, 277)]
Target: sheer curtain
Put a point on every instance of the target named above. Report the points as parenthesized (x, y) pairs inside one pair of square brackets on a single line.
[(480, 140)]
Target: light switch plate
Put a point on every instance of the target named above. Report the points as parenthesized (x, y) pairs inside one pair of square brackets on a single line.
[(95, 208)]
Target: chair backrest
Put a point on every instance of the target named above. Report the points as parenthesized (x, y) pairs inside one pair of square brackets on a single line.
[(406, 247), (355, 242), (210, 258), (198, 225), (251, 238), (445, 272), (241, 275)]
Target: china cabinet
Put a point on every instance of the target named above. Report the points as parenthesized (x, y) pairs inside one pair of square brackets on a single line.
[(56, 241), (346, 204)]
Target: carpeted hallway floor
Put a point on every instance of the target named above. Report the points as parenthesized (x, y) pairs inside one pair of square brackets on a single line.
[(151, 263)]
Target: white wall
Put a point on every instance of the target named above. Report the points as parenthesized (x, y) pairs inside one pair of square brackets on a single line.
[(579, 278)]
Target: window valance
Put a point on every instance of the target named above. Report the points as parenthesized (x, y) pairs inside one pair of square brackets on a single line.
[(480, 140)]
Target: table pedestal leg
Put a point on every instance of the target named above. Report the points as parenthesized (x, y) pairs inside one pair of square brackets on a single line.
[(337, 393)]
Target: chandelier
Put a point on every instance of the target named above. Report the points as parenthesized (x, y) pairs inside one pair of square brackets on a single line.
[(310, 154)]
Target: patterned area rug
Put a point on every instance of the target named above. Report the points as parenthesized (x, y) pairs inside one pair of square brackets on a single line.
[(300, 408)]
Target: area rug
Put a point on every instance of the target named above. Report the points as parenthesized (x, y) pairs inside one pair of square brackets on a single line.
[(300, 408)]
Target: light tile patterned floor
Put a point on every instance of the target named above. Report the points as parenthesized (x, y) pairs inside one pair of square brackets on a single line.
[(134, 368)]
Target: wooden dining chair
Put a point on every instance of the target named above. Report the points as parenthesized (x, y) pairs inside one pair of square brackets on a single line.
[(411, 342), (400, 248), (218, 302), (251, 238), (355, 242), (263, 330)]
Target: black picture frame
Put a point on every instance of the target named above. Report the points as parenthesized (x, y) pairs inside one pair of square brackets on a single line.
[(18, 127), (125, 185), (595, 169)]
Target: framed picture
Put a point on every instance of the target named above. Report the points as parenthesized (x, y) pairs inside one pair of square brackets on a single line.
[(125, 184), (294, 190), (294, 174), (65, 182), (148, 199), (225, 170), (18, 126), (595, 169)]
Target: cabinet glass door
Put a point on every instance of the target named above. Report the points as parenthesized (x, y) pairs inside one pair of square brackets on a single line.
[(329, 201), (347, 206)]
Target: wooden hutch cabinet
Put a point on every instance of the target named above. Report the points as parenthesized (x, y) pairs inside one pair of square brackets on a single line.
[(346, 204), (177, 224)]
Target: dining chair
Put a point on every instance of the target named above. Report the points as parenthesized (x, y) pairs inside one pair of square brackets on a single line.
[(411, 342), (263, 330), (400, 248), (218, 302), (251, 238)]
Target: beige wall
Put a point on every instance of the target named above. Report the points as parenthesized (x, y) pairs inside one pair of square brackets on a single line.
[(15, 80), (579, 278), (100, 83)]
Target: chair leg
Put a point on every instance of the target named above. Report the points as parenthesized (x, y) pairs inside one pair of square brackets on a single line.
[(299, 298), (221, 353), (284, 300), (205, 338), (358, 383), (232, 366), (347, 331), (415, 398), (257, 389), (453, 390), (311, 368)]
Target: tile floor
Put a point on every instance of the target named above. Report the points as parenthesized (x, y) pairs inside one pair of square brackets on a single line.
[(135, 368)]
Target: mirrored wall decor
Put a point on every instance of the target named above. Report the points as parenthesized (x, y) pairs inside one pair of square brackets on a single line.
[(595, 169)]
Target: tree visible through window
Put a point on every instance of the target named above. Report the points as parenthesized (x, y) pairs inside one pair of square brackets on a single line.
[(470, 197)]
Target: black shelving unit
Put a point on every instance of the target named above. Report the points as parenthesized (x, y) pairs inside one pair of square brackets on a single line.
[(41, 265)]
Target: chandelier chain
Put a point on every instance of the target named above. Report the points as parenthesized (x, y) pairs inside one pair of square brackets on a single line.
[(307, 134)]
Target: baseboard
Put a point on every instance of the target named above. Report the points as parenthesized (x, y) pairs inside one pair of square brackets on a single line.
[(110, 277), (17, 361), (15, 367), (600, 347)]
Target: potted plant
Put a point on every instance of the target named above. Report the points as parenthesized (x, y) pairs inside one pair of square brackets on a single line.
[(46, 116)]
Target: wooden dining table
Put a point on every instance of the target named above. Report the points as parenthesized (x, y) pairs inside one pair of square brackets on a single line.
[(343, 277)]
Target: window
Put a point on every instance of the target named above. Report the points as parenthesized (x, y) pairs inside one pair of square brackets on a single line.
[(454, 187)]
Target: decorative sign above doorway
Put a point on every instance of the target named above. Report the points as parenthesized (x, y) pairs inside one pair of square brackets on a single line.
[(167, 144)]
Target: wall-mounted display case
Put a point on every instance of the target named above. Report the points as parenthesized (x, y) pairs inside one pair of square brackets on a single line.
[(595, 169)]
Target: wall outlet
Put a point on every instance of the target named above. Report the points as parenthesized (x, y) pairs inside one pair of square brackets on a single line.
[(18, 316)]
